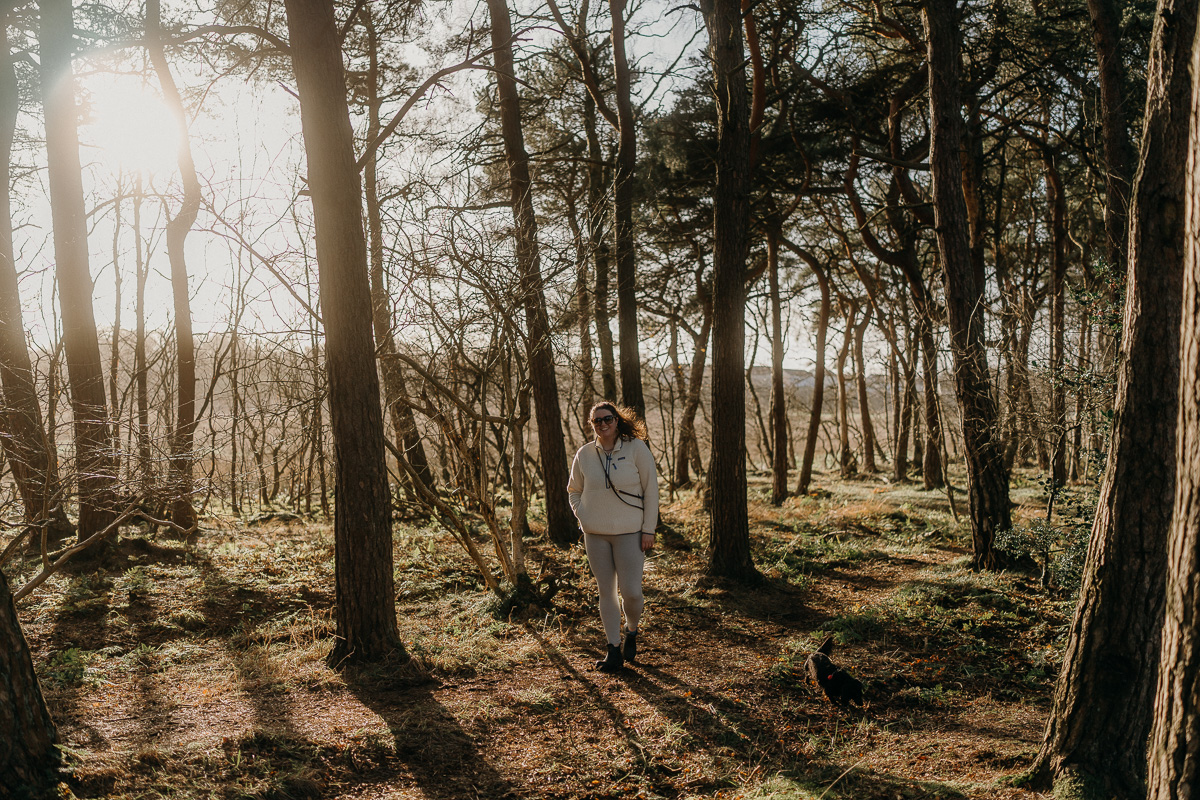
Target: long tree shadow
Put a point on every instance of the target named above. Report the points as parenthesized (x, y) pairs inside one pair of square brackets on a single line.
[(772, 600), (233, 612), (80, 628), (722, 724), (436, 753)]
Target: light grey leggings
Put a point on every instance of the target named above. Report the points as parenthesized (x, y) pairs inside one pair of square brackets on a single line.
[(617, 561)]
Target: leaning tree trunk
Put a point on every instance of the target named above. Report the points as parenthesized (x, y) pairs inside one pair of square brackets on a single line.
[(28, 755), (182, 450), (94, 459), (560, 521), (729, 542), (394, 384), (1104, 700), (987, 479), (366, 608), (22, 429)]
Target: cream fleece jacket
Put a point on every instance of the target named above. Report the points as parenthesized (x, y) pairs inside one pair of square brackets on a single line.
[(630, 469)]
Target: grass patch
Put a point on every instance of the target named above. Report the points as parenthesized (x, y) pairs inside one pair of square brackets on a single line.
[(211, 681)]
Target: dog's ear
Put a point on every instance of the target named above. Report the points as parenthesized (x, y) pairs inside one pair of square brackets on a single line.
[(826, 647)]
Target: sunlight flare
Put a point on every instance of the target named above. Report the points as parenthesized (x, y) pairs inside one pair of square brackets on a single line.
[(131, 129)]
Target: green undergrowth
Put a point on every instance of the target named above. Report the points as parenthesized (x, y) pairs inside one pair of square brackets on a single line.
[(960, 632), (851, 783)]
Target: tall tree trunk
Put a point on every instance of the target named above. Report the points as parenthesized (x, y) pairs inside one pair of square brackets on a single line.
[(394, 384), (141, 370), (779, 429), (235, 415), (1118, 152), (688, 447), (908, 410), (366, 609), (1081, 361), (626, 254), (183, 456), (93, 441), (23, 435), (28, 755), (1104, 700), (114, 356), (1174, 747), (583, 311), (729, 543), (818, 396), (1056, 200), (560, 521), (931, 448), (598, 243), (846, 463), (987, 479), (864, 401)]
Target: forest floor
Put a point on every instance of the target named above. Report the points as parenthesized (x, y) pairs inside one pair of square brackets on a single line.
[(194, 669)]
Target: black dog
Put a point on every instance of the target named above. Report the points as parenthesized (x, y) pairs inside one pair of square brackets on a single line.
[(839, 686)]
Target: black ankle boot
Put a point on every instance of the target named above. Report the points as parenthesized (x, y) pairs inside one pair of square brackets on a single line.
[(630, 652), (611, 662)]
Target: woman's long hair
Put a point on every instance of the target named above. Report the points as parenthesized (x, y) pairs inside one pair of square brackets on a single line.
[(629, 424)]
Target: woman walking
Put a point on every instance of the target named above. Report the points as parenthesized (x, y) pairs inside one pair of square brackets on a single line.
[(614, 494)]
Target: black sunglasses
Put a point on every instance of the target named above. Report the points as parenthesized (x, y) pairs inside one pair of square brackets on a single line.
[(603, 420)]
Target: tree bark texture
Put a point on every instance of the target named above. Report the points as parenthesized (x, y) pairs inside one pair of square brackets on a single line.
[(1103, 702), (22, 430), (366, 610), (729, 543), (1174, 750), (560, 521), (601, 253), (182, 448), (625, 250), (987, 478), (27, 733), (95, 458)]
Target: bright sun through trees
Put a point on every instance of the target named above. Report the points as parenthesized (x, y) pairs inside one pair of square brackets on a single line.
[(129, 128)]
